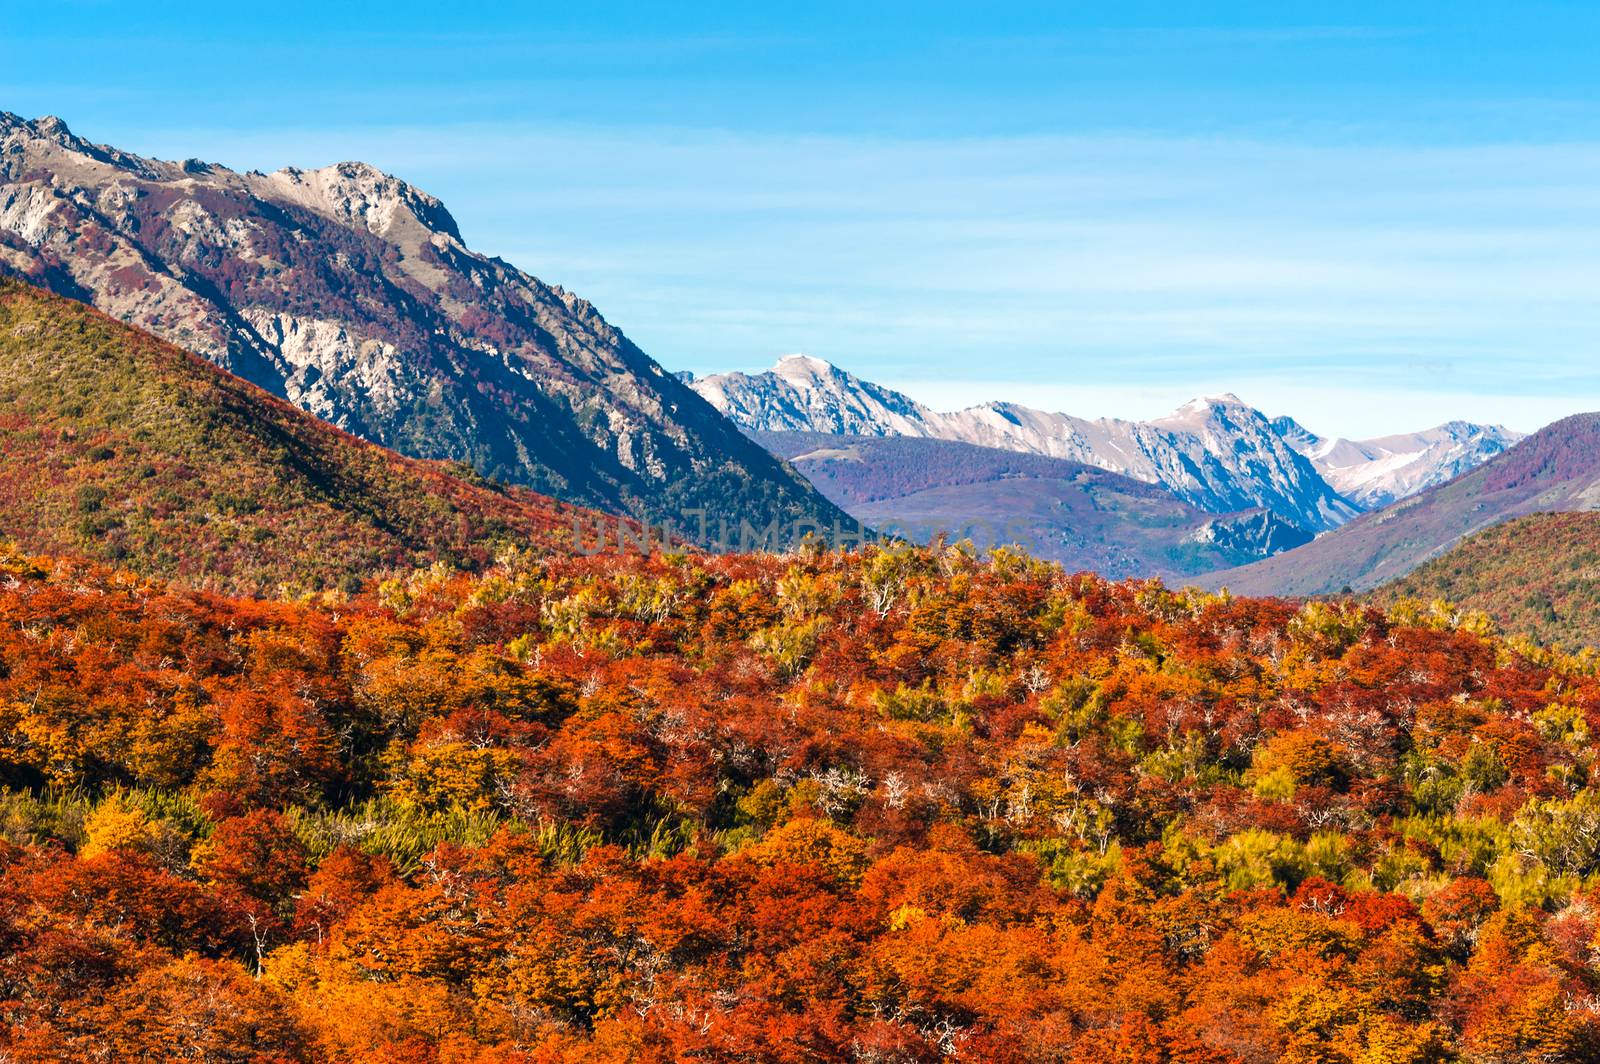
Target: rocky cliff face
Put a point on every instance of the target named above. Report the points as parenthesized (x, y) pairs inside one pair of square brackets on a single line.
[(1253, 534), (351, 294)]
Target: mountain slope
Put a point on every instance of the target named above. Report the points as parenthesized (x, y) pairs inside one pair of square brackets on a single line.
[(1378, 471), (1083, 517), (1555, 469), (351, 294), (1217, 454), (116, 446), (1537, 575)]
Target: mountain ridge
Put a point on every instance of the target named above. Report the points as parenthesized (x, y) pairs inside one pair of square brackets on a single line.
[(1215, 452), (1375, 472)]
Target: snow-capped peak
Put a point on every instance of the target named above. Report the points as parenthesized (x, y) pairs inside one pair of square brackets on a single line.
[(806, 369), (809, 362), (1379, 471), (1216, 452), (1203, 403), (1210, 414), (803, 393)]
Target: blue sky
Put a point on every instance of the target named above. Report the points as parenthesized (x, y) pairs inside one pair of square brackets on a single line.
[(1371, 216)]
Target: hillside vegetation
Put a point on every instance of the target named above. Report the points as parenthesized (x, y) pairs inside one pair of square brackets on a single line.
[(900, 805), (116, 446), (1539, 575)]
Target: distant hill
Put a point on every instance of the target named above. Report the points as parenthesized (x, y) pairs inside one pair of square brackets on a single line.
[(1556, 469), (350, 293), (119, 447), (1083, 517), (1537, 575)]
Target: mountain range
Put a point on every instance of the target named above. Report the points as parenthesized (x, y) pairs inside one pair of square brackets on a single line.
[(1376, 472), (1081, 516), (1557, 469), (352, 295), (1215, 453)]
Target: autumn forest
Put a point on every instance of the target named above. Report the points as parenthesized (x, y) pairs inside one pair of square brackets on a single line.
[(904, 804)]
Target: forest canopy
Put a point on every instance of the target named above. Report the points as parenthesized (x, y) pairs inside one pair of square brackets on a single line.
[(899, 804)]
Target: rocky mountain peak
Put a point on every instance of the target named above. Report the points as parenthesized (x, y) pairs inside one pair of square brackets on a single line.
[(806, 393), (45, 127), (25, 140), (1295, 434), (1376, 472), (362, 196), (52, 132), (1211, 410), (1204, 403), (803, 367), (812, 361)]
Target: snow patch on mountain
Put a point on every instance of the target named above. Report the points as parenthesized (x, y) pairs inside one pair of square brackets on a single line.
[(1380, 471), (1215, 453), (806, 394)]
